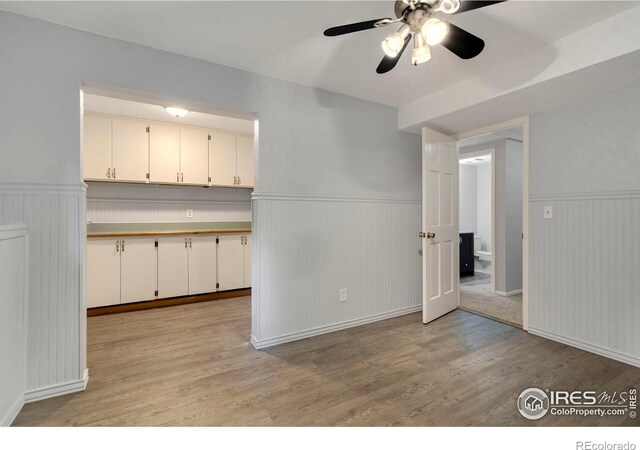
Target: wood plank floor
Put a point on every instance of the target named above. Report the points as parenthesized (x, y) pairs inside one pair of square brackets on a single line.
[(193, 365)]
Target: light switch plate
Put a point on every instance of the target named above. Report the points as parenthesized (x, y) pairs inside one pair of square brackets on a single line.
[(548, 212), (189, 213), (343, 294)]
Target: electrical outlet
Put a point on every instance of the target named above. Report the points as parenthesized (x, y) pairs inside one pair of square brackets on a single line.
[(548, 212), (343, 294), (189, 213)]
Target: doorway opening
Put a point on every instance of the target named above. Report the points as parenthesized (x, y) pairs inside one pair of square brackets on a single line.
[(491, 225)]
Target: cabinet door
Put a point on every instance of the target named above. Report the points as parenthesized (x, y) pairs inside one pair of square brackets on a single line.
[(245, 161), (173, 267), (202, 264), (139, 269), (103, 272), (130, 150), (96, 147), (164, 153), (194, 156), (222, 158), (230, 262), (247, 262)]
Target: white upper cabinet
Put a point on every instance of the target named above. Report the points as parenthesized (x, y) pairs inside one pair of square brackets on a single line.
[(139, 269), (164, 153), (130, 150), (222, 159), (194, 156), (202, 264), (244, 161), (173, 266), (103, 272), (96, 145)]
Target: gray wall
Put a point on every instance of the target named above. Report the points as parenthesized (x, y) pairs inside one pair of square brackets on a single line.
[(468, 198), (584, 263), (513, 216), (313, 145)]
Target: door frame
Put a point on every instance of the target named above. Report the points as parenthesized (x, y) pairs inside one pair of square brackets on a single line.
[(520, 122), (492, 153)]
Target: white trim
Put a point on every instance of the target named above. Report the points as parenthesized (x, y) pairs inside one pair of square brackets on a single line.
[(12, 231), (628, 359), (42, 188), (510, 293), (515, 123), (13, 412), (330, 198), (173, 201), (613, 195), (57, 390), (264, 343)]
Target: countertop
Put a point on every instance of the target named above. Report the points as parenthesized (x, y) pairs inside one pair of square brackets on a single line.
[(106, 230)]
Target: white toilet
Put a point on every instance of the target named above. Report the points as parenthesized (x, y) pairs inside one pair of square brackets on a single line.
[(483, 257)]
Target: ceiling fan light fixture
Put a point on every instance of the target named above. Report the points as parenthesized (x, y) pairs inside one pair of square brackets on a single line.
[(176, 112), (421, 52), (449, 6), (434, 31), (395, 41)]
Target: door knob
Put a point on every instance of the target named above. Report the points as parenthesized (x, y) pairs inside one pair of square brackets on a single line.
[(423, 235), (431, 235)]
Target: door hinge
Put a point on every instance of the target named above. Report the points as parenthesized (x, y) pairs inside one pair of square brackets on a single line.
[(209, 137), (156, 244), (217, 240), (209, 179), (217, 285), (156, 293), (147, 129), (147, 176)]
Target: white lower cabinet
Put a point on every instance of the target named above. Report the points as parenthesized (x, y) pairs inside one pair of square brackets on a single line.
[(202, 264), (138, 269), (103, 272), (173, 266), (234, 262)]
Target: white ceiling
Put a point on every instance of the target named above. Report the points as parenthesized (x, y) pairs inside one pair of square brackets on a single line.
[(127, 108), (284, 39)]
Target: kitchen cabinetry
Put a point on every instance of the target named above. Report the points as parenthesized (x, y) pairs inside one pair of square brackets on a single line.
[(194, 156), (130, 147), (244, 161), (120, 271), (202, 264), (96, 144), (173, 266), (234, 262), (164, 153), (222, 159)]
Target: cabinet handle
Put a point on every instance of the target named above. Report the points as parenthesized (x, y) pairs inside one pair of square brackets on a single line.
[(189, 242), (235, 180), (117, 246), (177, 177), (239, 182), (109, 172), (123, 246), (114, 173), (182, 177), (185, 242)]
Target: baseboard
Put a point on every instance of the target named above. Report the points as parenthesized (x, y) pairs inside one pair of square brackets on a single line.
[(587, 347), (57, 390), (265, 343), (510, 293), (11, 415)]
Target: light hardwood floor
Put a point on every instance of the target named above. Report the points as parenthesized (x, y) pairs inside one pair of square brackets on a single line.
[(193, 365)]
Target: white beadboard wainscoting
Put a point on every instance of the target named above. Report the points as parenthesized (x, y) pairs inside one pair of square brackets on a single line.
[(56, 317), (585, 266), (154, 211), (13, 323), (307, 248)]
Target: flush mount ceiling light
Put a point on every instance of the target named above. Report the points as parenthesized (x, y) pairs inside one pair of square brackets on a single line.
[(176, 112), (417, 17)]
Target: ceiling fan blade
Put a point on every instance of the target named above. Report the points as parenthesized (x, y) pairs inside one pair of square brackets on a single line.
[(469, 5), (388, 62), (359, 26), (462, 43)]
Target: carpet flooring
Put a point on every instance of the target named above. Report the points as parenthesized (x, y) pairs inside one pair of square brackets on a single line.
[(476, 297)]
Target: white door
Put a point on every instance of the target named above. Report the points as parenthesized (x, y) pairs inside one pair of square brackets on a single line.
[(247, 261), (130, 150), (103, 272), (245, 161), (202, 264), (96, 147), (164, 153), (173, 266), (440, 225), (222, 159), (194, 156), (230, 262), (138, 269)]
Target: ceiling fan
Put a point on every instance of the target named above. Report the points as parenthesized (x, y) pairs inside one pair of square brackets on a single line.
[(417, 17)]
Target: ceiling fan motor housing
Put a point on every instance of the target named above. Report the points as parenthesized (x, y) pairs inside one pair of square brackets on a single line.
[(413, 14)]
